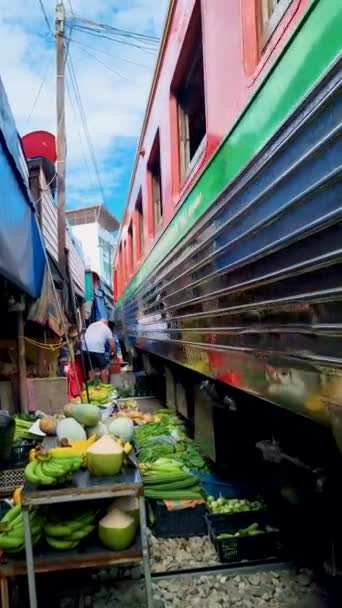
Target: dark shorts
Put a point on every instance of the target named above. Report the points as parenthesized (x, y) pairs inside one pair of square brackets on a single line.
[(95, 361)]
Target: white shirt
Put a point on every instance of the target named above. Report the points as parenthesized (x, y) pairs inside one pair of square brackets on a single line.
[(96, 337)]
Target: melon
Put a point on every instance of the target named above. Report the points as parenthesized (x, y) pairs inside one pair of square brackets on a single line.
[(128, 504), (105, 457), (84, 413), (123, 428), (117, 530), (70, 429), (98, 430)]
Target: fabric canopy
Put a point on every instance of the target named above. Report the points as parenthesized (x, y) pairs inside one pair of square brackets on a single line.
[(22, 259)]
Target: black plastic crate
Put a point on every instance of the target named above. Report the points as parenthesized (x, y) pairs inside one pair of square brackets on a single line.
[(21, 451), (241, 548), (173, 524)]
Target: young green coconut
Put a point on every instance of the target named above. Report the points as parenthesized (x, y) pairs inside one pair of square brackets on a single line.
[(127, 504), (105, 457), (117, 530)]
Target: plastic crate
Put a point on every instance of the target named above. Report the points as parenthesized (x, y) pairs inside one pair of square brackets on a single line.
[(216, 486), (20, 452), (173, 524), (243, 548), (11, 479)]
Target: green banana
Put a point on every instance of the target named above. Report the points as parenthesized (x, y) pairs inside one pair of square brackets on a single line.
[(30, 472), (17, 549), (8, 541), (15, 519), (52, 470), (43, 479), (61, 545), (82, 533), (11, 514), (67, 527)]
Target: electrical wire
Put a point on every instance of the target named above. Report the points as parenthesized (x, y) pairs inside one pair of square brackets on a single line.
[(84, 156), (40, 88), (147, 49), (42, 7), (97, 50), (117, 31), (78, 98), (118, 74)]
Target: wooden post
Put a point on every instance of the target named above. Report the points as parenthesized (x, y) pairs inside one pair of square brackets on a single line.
[(60, 101)]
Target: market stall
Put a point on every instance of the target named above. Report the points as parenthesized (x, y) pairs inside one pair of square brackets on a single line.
[(152, 461)]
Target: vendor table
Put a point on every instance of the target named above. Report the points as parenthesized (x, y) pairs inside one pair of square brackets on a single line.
[(82, 488)]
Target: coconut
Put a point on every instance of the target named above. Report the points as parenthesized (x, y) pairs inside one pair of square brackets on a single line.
[(128, 504), (117, 530), (105, 457)]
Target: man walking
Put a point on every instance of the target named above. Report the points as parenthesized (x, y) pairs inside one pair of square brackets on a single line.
[(96, 338)]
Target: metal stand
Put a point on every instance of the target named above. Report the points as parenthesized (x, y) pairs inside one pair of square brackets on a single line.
[(85, 488), (145, 551), (29, 560)]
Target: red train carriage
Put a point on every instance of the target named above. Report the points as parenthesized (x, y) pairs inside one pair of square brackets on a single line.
[(228, 261)]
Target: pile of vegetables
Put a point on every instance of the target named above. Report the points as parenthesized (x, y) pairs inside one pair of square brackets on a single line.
[(23, 423), (234, 505), (252, 530), (167, 479), (166, 437), (163, 424)]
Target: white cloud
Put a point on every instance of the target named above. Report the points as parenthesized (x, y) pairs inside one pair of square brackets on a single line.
[(114, 106)]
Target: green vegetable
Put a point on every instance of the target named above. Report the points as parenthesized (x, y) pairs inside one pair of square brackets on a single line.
[(167, 479), (234, 505)]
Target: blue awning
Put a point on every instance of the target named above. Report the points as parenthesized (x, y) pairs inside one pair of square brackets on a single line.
[(22, 259)]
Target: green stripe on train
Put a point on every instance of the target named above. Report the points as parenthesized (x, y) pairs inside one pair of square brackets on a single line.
[(314, 46)]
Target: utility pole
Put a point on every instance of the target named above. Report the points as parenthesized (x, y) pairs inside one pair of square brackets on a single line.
[(61, 146)]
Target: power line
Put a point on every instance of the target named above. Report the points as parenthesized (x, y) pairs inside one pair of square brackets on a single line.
[(40, 88), (106, 66), (97, 50), (41, 4), (84, 156), (117, 31), (82, 113), (91, 32)]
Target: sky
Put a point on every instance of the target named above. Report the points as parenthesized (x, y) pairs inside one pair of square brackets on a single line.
[(113, 80)]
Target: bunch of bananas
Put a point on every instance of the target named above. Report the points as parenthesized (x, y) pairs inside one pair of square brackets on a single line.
[(50, 468), (128, 404), (12, 538), (63, 534), (99, 394)]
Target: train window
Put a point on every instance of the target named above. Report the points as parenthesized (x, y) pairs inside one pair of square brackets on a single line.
[(130, 250), (120, 269), (125, 262), (272, 12), (190, 95), (154, 168), (140, 227)]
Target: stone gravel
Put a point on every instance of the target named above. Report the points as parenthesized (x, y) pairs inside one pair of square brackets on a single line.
[(273, 589)]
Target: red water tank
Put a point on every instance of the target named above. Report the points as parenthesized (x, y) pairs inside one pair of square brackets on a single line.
[(40, 144)]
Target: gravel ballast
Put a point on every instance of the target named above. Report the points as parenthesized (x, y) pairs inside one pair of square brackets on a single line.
[(272, 589)]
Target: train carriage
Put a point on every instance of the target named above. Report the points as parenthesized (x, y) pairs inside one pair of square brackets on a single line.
[(229, 255)]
